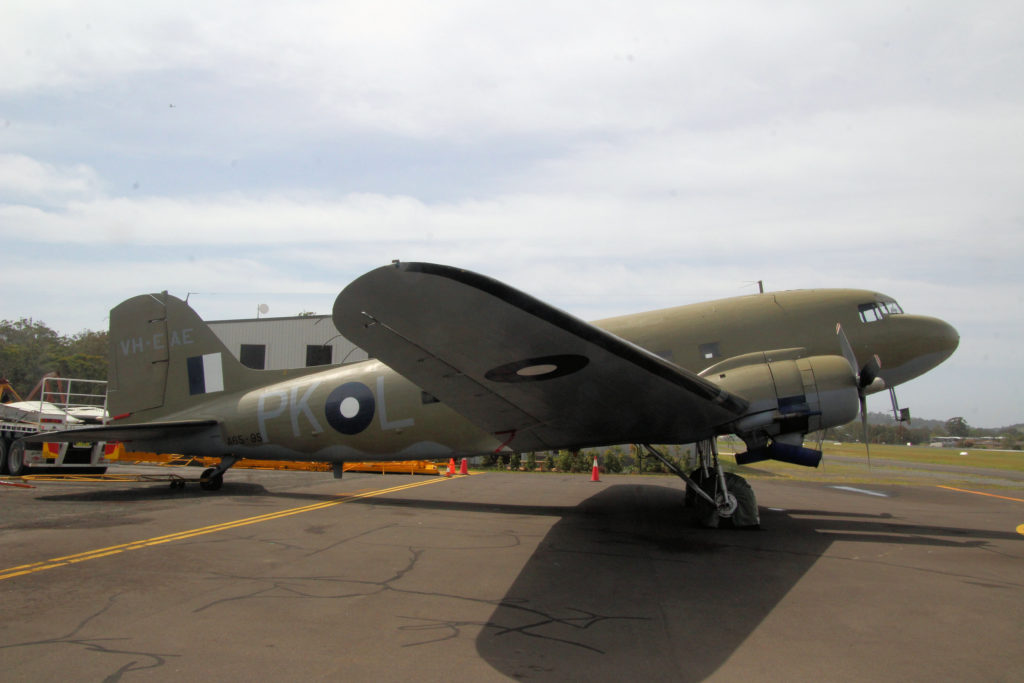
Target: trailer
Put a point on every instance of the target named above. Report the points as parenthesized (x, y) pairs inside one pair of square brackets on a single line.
[(63, 404)]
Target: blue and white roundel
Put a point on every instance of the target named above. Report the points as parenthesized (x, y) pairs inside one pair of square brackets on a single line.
[(350, 408)]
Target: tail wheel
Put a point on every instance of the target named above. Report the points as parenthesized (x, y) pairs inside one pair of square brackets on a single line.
[(16, 459), (210, 480)]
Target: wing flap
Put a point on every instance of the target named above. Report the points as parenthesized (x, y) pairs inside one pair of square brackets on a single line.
[(511, 363)]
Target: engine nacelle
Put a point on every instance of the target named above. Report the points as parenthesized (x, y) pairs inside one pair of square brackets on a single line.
[(789, 396)]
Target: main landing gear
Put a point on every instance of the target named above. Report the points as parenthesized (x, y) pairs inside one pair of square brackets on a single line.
[(213, 478), (721, 499)]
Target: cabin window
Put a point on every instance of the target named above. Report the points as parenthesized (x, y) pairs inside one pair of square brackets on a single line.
[(709, 350), (253, 356), (319, 354)]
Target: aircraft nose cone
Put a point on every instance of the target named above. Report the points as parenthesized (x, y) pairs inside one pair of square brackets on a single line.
[(936, 340), (944, 336), (918, 344)]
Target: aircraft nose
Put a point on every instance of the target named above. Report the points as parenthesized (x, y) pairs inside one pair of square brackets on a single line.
[(933, 340), (942, 336), (918, 343), (932, 337)]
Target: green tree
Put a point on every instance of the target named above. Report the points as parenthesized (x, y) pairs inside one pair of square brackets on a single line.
[(582, 462), (89, 343), (84, 356), (563, 461), (28, 350), (572, 461), (531, 461), (957, 426), (627, 460), (612, 463)]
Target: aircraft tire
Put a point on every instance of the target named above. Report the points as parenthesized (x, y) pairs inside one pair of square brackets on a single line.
[(744, 517), (16, 460), (3, 455), (210, 481)]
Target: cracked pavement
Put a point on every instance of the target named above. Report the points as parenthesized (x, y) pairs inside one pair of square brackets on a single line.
[(497, 577)]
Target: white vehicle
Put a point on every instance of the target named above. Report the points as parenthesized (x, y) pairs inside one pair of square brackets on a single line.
[(64, 404)]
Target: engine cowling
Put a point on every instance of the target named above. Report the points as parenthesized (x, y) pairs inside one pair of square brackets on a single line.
[(789, 395)]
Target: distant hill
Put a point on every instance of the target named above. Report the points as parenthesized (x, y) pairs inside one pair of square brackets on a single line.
[(916, 422), (936, 426)]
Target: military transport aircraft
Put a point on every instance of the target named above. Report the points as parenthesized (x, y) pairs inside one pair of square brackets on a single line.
[(462, 365)]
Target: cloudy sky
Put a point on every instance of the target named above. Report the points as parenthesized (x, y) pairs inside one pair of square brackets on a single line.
[(607, 157)]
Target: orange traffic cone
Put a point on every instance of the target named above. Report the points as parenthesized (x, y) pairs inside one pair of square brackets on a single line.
[(464, 467), (595, 475), (451, 467)]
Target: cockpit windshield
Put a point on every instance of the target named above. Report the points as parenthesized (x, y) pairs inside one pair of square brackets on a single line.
[(876, 310)]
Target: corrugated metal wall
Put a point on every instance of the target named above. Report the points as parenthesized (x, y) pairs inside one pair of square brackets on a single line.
[(286, 339)]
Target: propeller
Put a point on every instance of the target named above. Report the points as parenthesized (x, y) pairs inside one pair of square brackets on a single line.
[(865, 375)]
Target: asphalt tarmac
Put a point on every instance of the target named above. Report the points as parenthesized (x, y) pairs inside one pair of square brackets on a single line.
[(297, 576)]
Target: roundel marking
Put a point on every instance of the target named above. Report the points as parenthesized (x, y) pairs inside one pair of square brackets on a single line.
[(538, 369), (350, 407)]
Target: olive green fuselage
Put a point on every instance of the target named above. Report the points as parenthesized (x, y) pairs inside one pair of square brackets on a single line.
[(366, 411)]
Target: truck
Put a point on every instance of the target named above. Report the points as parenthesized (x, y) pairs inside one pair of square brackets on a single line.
[(63, 404)]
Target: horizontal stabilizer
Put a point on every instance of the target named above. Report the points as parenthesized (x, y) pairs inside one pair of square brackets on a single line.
[(146, 431), (783, 452)]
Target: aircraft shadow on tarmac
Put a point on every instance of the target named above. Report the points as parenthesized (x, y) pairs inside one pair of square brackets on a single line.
[(627, 587)]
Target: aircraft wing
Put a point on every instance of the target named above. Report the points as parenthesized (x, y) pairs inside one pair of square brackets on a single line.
[(518, 367), (143, 431)]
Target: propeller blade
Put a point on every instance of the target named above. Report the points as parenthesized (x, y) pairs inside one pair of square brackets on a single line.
[(865, 376), (848, 353), (864, 425)]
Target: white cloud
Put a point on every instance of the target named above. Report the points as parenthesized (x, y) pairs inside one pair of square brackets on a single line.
[(29, 180), (631, 157), (460, 70)]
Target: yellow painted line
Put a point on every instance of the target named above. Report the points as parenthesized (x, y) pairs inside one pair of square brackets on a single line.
[(980, 493), (1020, 529), (21, 570)]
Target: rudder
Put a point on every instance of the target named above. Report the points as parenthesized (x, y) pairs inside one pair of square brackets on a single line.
[(164, 358)]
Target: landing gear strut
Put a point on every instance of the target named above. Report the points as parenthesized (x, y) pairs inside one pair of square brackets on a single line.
[(721, 499), (213, 478)]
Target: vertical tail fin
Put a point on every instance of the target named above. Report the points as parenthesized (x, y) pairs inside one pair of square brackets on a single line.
[(164, 359)]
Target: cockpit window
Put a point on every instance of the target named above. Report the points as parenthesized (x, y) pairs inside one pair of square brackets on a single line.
[(876, 310), (891, 307)]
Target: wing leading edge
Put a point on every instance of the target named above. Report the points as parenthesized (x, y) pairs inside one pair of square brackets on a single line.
[(515, 365)]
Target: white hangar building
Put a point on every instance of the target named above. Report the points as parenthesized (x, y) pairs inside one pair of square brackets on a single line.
[(282, 343)]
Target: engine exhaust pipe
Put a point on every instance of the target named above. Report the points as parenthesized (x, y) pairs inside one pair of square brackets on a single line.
[(783, 452)]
